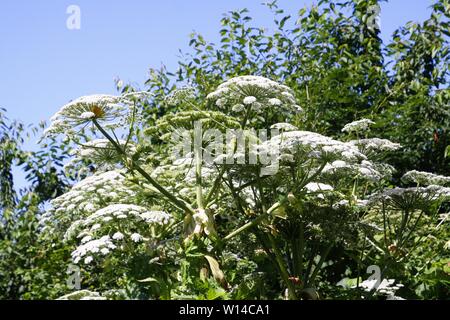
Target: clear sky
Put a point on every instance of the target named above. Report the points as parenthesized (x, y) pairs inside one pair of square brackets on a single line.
[(44, 65)]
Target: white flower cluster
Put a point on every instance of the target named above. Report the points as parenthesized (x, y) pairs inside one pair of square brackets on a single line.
[(128, 212), (178, 96), (366, 170), (136, 237), (84, 109), (89, 249), (97, 147), (386, 287), (317, 145), (430, 193), (375, 145), (238, 157), (257, 93), (82, 295), (358, 126), (357, 203), (425, 178), (127, 216), (130, 97), (318, 189), (112, 111), (284, 127), (88, 196), (345, 158)]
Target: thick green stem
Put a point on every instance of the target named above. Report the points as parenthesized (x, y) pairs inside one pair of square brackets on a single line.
[(383, 210), (302, 248), (246, 226), (198, 165), (319, 265), (251, 223), (412, 229), (261, 192), (405, 216), (218, 179), (180, 204), (283, 270), (295, 256), (359, 262), (313, 176), (215, 186)]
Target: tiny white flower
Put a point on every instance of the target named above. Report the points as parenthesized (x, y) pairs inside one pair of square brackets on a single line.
[(220, 102), (118, 236), (86, 239), (238, 108), (87, 115), (314, 187), (358, 126), (95, 249), (88, 260), (83, 109), (136, 237), (249, 100), (376, 144), (425, 178), (268, 93), (298, 108), (275, 102)]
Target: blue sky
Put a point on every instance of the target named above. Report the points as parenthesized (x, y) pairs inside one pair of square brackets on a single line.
[(44, 65)]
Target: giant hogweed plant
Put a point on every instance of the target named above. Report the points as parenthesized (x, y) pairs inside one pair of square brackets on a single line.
[(340, 69), (149, 222)]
